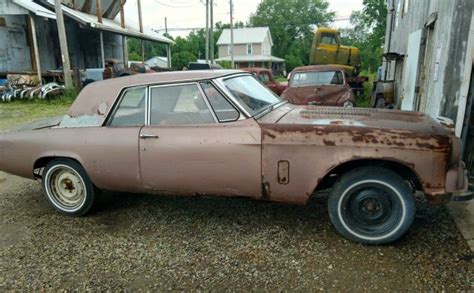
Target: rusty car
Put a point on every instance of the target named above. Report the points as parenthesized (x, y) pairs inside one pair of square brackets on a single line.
[(222, 133), (325, 85), (266, 77)]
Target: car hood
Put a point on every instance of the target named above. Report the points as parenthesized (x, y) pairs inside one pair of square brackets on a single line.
[(326, 94), (312, 116)]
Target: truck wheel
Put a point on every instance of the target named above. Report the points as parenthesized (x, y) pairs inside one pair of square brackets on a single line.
[(371, 205), (68, 188)]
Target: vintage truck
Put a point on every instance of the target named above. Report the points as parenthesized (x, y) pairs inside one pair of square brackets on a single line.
[(327, 49)]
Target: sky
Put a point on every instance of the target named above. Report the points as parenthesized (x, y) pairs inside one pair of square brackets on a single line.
[(192, 13)]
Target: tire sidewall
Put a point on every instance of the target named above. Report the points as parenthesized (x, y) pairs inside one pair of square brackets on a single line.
[(90, 189), (401, 192)]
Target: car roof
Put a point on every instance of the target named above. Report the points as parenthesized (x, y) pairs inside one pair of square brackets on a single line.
[(254, 69), (97, 98), (318, 68)]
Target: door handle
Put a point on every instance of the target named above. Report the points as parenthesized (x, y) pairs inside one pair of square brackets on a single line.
[(145, 136)]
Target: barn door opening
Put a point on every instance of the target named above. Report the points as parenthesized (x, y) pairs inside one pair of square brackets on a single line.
[(410, 73), (468, 136)]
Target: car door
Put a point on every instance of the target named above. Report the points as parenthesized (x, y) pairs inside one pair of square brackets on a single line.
[(112, 150), (189, 147)]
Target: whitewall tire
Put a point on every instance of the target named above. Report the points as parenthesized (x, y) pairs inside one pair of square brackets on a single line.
[(371, 205)]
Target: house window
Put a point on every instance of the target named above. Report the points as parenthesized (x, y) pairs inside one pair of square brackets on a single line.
[(229, 49), (249, 49)]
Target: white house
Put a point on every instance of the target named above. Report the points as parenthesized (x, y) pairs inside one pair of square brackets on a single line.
[(252, 48)]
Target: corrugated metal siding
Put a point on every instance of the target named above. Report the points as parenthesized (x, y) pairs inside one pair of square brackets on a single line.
[(14, 49), (48, 43), (7, 7)]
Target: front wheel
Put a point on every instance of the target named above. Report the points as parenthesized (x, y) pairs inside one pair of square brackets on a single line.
[(348, 104), (371, 205), (68, 188)]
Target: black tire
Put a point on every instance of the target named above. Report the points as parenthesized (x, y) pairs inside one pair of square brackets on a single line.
[(68, 188), (371, 205)]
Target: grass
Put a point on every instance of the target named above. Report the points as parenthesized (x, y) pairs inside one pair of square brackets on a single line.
[(280, 79), (364, 100), (25, 111)]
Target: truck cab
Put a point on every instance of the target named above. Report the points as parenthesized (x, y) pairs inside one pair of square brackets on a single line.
[(327, 49)]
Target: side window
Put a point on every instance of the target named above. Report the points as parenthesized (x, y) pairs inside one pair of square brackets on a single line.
[(337, 78), (179, 105), (328, 39), (131, 110), (225, 112), (264, 77)]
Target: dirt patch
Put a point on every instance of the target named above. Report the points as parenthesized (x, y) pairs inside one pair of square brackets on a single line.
[(158, 243)]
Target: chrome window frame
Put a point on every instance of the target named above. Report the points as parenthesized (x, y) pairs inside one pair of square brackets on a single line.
[(113, 110), (221, 84), (196, 83), (232, 104)]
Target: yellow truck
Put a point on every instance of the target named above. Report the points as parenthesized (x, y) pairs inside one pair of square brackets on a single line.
[(328, 50)]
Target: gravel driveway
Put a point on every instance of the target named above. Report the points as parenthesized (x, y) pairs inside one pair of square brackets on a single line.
[(153, 242)]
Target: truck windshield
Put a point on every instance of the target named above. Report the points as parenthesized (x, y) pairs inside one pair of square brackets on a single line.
[(299, 79), (251, 94)]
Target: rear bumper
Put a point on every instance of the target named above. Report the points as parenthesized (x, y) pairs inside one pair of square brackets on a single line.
[(462, 196), (457, 183)]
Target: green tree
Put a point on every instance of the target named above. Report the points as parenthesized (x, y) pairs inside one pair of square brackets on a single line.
[(368, 33), (291, 24), (152, 49), (179, 60)]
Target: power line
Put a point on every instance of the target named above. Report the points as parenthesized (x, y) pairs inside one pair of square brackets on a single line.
[(179, 6)]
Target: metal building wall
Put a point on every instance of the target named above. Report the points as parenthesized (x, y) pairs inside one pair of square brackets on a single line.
[(442, 54), (14, 49)]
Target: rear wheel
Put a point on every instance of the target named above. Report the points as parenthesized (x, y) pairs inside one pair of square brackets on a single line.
[(68, 188), (371, 205)]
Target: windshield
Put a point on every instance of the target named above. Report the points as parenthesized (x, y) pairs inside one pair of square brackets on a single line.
[(316, 78), (251, 94)]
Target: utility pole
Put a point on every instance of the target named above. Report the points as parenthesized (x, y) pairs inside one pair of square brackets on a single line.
[(212, 32), (124, 38), (140, 23), (166, 25), (98, 10), (232, 35), (207, 31), (63, 44)]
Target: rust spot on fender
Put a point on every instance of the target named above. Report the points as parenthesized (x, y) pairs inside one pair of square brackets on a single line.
[(329, 142)]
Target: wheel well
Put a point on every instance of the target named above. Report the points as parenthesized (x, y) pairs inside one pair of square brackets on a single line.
[(402, 170), (42, 162)]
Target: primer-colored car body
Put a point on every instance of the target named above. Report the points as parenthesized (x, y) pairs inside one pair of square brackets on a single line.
[(282, 155), (323, 95)]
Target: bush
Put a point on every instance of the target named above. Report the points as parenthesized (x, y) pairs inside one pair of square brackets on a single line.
[(181, 60), (225, 64)]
